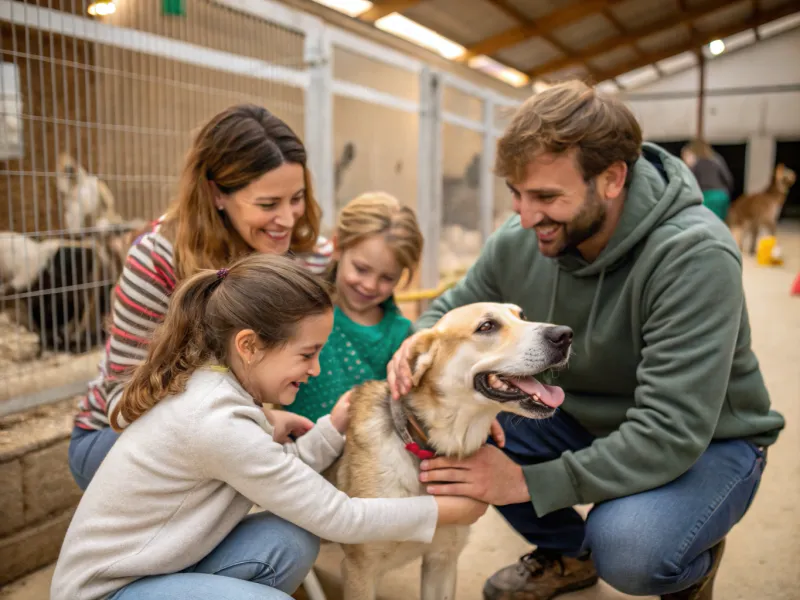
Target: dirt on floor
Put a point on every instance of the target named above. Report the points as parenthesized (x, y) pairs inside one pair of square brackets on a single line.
[(761, 557)]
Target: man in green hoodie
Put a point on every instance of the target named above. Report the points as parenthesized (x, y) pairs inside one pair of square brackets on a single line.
[(666, 418)]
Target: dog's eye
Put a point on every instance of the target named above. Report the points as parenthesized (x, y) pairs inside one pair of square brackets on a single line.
[(522, 316), (487, 326)]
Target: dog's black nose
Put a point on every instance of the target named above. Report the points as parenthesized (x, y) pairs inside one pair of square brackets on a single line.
[(560, 336)]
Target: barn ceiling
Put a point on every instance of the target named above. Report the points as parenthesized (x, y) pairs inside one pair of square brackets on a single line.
[(599, 40)]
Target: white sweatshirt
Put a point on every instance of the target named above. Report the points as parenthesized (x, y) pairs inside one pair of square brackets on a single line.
[(183, 475)]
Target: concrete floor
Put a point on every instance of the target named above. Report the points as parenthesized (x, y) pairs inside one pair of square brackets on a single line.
[(762, 551)]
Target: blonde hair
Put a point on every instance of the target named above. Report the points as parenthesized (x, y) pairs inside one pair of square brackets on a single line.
[(269, 294), (232, 150), (699, 148), (566, 116), (379, 213)]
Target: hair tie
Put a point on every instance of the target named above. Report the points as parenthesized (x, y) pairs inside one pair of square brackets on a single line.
[(222, 273)]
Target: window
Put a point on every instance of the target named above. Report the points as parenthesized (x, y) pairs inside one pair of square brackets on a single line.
[(11, 146)]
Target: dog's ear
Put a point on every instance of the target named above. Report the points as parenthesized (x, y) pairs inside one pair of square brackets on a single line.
[(422, 355)]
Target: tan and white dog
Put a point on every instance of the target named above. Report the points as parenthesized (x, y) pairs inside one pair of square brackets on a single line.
[(477, 361)]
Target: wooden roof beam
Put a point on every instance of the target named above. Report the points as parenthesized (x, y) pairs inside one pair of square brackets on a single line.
[(387, 7), (629, 39), (701, 39), (514, 13), (575, 11)]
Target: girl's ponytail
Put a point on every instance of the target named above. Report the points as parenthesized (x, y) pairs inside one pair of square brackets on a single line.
[(178, 348)]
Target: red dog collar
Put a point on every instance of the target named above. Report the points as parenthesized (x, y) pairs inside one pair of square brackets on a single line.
[(421, 454)]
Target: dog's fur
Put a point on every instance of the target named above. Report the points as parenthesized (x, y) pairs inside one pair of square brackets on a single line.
[(86, 199), (66, 285), (750, 212), (447, 363)]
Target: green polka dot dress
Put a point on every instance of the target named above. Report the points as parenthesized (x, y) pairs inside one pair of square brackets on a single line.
[(353, 354)]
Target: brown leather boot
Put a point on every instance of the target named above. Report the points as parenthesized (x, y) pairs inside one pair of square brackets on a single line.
[(703, 589), (540, 575)]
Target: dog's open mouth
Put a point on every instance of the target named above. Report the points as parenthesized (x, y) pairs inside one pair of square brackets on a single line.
[(507, 388)]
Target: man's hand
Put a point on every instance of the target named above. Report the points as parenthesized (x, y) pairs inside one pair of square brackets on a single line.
[(489, 476), (498, 435), (398, 371), (285, 423)]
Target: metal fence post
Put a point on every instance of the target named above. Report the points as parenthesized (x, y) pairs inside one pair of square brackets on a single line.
[(318, 55), (429, 173), (487, 166)]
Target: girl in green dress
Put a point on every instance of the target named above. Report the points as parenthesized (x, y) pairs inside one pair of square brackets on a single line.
[(376, 242)]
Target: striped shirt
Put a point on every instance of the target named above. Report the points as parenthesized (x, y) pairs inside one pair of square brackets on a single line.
[(139, 303)]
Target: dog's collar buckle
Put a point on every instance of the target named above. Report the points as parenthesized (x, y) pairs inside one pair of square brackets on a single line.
[(402, 420)]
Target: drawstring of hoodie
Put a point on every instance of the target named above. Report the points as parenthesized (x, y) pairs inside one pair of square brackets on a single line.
[(553, 297), (592, 310)]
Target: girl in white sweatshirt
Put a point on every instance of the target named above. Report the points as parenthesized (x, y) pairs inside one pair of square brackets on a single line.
[(166, 514)]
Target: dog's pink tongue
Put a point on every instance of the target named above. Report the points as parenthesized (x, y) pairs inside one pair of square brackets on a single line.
[(551, 395)]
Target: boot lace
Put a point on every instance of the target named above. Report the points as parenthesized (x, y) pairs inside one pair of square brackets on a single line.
[(537, 562)]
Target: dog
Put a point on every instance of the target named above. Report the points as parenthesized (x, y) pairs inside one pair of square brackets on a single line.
[(86, 199), (477, 361), (65, 285), (750, 212), (22, 258)]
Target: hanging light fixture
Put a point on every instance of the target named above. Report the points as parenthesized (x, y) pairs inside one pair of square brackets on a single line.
[(102, 9)]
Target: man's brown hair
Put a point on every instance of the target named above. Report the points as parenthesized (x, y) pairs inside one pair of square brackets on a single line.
[(565, 116)]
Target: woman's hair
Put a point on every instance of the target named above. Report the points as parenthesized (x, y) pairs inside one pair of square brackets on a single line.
[(232, 150), (379, 213), (266, 293)]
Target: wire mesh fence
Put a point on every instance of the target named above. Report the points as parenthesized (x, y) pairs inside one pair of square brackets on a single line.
[(96, 119), (98, 113)]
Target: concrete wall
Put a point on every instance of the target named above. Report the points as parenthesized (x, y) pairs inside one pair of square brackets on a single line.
[(38, 495)]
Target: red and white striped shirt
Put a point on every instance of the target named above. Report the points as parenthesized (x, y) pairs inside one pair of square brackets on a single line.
[(139, 303)]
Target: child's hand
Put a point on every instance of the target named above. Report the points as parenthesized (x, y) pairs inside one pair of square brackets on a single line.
[(285, 423), (459, 510), (340, 415)]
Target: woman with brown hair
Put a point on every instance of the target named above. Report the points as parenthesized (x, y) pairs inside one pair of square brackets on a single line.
[(245, 188)]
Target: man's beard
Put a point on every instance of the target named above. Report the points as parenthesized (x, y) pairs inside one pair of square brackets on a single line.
[(586, 223)]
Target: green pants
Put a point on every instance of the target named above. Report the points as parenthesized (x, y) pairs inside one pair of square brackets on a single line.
[(717, 202)]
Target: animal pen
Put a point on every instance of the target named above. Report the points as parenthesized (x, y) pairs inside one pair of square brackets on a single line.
[(97, 113)]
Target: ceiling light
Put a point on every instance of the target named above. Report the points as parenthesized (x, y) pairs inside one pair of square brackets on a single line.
[(351, 8), (102, 9), (407, 29), (495, 69), (716, 47)]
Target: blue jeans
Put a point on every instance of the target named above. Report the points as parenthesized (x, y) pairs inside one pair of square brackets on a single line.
[(648, 544), (263, 558), (87, 449)]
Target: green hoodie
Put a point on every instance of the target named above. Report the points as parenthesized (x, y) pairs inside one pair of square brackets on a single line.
[(661, 361)]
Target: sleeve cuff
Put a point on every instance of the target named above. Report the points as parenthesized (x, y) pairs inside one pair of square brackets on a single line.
[(428, 528), (551, 487), (330, 434)]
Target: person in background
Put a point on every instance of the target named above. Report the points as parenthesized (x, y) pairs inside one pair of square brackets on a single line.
[(245, 188), (712, 174), (166, 514)]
